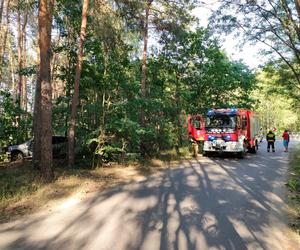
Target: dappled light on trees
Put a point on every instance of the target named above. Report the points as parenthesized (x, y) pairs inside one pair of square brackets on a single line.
[(146, 65)]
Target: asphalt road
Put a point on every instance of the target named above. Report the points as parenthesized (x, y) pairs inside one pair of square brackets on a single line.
[(210, 203)]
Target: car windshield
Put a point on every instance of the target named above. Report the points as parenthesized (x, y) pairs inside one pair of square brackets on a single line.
[(220, 121)]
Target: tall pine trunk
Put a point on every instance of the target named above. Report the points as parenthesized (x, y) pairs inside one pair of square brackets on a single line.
[(24, 60), (75, 98), (21, 27), (143, 146), (43, 113), (20, 59), (4, 43)]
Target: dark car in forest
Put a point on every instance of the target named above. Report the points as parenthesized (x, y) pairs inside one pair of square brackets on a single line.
[(25, 150)]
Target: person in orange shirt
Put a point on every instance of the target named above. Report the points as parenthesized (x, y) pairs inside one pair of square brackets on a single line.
[(286, 140)]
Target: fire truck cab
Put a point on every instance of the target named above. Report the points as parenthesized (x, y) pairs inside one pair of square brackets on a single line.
[(231, 130), (196, 128)]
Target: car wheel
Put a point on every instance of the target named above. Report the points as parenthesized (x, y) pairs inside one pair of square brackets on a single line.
[(17, 156)]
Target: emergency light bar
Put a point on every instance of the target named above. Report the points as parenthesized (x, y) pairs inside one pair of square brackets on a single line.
[(220, 111)]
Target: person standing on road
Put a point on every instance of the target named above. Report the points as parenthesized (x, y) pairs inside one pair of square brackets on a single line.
[(286, 140), (271, 140)]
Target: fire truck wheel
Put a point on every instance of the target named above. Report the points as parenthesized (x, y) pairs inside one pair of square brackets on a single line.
[(241, 155), (253, 149)]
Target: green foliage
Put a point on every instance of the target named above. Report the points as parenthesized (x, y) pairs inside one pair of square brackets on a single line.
[(273, 24), (284, 82), (189, 74), (276, 107), (15, 123), (209, 78), (294, 184), (109, 153)]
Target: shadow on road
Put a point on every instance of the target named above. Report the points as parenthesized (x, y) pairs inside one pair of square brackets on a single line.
[(215, 203)]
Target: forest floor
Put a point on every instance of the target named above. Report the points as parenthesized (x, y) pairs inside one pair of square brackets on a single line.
[(22, 192)]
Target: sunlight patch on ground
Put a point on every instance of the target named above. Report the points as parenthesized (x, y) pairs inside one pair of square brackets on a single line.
[(246, 233), (70, 202), (272, 197)]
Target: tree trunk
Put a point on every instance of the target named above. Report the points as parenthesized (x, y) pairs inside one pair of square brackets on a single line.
[(20, 59), (12, 71), (1, 11), (24, 61), (22, 93), (75, 98), (178, 113), (36, 121), (43, 113), (297, 3), (24, 78), (144, 60), (53, 71), (144, 76), (3, 46)]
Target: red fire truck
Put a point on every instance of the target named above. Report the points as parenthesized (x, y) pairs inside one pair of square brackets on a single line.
[(228, 130)]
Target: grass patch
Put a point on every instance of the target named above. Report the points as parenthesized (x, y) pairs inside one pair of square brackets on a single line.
[(294, 187), (171, 155), (17, 180)]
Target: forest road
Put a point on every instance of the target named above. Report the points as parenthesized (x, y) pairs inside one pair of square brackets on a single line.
[(209, 203)]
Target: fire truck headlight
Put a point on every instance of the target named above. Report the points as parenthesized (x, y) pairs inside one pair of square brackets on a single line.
[(227, 137), (211, 138)]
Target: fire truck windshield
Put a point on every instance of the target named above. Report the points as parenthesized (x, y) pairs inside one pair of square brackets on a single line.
[(221, 121)]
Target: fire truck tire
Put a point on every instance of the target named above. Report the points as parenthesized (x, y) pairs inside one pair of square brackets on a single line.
[(251, 150), (241, 155), (254, 149)]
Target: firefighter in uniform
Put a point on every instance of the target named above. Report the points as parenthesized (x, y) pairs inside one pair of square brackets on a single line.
[(271, 140)]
